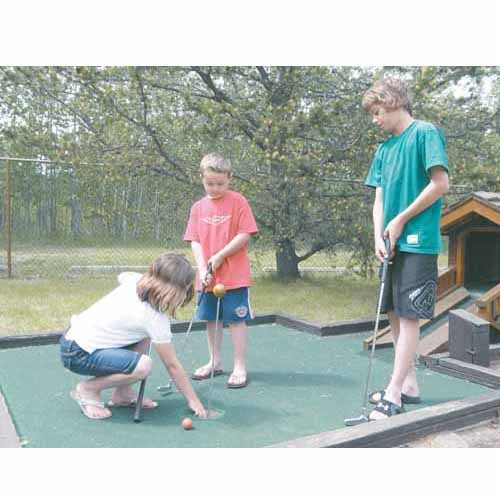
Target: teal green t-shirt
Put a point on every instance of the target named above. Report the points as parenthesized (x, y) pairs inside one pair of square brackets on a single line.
[(401, 168)]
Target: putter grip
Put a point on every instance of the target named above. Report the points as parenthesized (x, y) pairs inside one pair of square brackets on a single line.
[(209, 271), (203, 287), (138, 405), (385, 264)]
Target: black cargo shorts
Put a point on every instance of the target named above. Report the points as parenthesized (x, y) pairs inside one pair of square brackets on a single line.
[(411, 285)]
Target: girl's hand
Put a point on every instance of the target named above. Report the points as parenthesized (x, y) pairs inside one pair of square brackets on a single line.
[(198, 409)]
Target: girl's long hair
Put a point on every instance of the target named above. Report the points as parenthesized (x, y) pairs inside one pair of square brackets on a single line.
[(168, 284)]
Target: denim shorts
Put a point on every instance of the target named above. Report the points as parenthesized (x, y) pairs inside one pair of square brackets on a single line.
[(99, 363), (234, 306)]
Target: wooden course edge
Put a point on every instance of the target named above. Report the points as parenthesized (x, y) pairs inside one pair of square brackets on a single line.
[(401, 429), (341, 327)]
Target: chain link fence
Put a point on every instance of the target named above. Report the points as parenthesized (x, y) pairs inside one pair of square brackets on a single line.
[(66, 219), (93, 220)]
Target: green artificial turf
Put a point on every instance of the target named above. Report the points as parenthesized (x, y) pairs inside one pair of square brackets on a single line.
[(299, 384)]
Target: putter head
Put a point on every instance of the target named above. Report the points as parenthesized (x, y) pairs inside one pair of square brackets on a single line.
[(362, 419), (165, 391), (164, 388)]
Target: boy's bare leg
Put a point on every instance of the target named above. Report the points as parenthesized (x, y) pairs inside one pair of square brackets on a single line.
[(91, 389), (213, 338), (394, 324), (405, 350), (239, 336), (124, 394), (410, 384)]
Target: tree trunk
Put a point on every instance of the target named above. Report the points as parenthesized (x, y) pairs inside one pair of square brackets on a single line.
[(157, 216), (125, 198), (287, 262), (53, 202), (27, 206), (116, 216), (76, 212), (98, 223), (137, 210), (41, 211)]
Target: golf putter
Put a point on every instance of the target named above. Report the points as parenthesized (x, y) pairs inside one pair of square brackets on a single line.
[(212, 412), (167, 389), (140, 396), (363, 418)]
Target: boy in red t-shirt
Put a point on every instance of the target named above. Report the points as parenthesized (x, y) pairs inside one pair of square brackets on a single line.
[(219, 228)]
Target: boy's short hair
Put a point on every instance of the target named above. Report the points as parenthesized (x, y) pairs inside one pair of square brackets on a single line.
[(215, 162), (390, 93), (168, 283)]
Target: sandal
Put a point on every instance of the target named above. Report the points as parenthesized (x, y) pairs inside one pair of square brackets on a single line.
[(387, 408), (204, 376), (237, 385), (131, 404), (377, 396), (84, 403)]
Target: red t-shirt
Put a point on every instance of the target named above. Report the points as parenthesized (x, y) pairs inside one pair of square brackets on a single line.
[(214, 223)]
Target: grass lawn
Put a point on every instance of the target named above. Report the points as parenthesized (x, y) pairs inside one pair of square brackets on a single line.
[(44, 292), (47, 304)]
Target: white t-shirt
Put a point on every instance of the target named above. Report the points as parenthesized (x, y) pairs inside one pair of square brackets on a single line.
[(119, 319)]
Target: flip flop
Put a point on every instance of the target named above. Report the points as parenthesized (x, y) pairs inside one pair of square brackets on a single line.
[(130, 404), (231, 385), (377, 396), (83, 403), (207, 375)]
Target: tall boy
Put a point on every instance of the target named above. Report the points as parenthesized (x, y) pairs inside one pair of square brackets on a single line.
[(409, 174), (219, 228)]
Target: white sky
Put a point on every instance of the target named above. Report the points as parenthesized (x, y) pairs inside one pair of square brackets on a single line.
[(237, 33)]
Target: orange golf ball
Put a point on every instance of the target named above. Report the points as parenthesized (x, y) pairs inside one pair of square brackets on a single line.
[(219, 290), (187, 424)]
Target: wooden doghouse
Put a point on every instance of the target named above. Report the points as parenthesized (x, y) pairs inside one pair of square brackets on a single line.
[(473, 229)]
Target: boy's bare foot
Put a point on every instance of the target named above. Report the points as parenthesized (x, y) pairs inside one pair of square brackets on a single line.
[(125, 396), (237, 380), (411, 390), (90, 403), (204, 371)]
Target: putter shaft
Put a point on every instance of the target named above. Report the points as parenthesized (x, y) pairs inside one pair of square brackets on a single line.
[(385, 266)]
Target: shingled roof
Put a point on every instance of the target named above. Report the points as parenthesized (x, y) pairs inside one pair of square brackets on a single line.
[(492, 199)]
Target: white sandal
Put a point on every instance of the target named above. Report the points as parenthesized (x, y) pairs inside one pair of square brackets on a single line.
[(131, 404), (84, 403)]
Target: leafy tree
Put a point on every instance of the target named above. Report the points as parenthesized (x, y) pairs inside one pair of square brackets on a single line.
[(297, 136)]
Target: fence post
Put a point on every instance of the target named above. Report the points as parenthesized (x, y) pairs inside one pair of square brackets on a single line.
[(7, 220)]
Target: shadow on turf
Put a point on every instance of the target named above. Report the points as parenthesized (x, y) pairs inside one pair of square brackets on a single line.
[(297, 379), (170, 415)]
